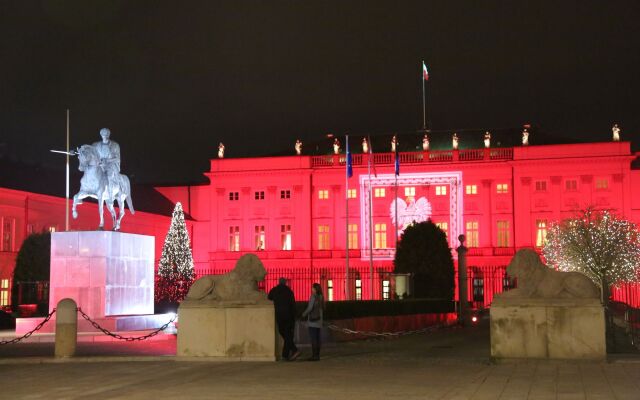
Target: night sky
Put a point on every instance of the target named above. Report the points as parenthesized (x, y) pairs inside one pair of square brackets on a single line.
[(172, 79)]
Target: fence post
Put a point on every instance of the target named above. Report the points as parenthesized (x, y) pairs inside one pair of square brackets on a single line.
[(66, 328)]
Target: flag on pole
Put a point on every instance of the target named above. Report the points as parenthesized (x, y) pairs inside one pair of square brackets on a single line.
[(397, 161), (425, 73), (349, 160)]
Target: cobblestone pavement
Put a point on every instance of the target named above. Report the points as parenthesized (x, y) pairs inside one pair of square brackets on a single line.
[(449, 364)]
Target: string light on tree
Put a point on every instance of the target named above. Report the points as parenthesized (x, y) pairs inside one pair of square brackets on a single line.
[(175, 271), (599, 244)]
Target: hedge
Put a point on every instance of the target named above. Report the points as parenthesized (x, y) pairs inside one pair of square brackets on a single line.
[(336, 310)]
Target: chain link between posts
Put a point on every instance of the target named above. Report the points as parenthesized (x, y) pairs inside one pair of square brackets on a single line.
[(388, 334), (26, 335), (126, 338)]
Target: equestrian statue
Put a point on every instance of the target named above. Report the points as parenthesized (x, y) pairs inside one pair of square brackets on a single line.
[(102, 179)]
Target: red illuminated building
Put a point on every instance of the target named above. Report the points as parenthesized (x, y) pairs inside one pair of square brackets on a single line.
[(291, 210)]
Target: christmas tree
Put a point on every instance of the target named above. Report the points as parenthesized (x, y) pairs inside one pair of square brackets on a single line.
[(175, 271)]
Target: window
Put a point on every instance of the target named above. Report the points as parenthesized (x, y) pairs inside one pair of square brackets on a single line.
[(234, 196), (7, 234), (330, 289), (541, 232), (352, 194), (4, 292), (503, 234), (285, 194), (285, 237), (386, 289), (234, 238), (502, 188), (472, 233), (471, 189), (478, 288), (441, 190), (259, 195), (353, 236), (260, 237), (323, 237), (323, 194), (571, 185), (409, 192), (380, 236), (444, 226), (602, 184), (358, 289), (541, 186), (378, 192)]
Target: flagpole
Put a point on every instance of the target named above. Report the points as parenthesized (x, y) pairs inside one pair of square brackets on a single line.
[(424, 107), (370, 222), (66, 201), (396, 204), (346, 180)]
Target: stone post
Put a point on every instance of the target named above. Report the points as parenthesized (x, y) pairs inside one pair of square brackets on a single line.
[(66, 328), (463, 285)]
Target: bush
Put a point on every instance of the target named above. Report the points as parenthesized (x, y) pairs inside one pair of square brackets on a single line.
[(32, 266), (423, 251), (335, 310)]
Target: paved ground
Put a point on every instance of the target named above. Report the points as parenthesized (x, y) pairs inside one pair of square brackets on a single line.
[(449, 364)]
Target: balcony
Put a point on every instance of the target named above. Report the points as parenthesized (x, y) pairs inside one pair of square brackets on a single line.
[(416, 157)]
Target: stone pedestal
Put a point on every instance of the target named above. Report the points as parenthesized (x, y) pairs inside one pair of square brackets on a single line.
[(106, 273), (547, 328), (227, 331)]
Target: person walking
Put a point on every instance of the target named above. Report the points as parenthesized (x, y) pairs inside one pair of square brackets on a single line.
[(315, 313), (284, 303)]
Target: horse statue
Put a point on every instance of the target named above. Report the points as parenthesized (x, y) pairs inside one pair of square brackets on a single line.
[(95, 183)]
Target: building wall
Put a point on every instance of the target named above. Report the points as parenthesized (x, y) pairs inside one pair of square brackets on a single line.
[(520, 189)]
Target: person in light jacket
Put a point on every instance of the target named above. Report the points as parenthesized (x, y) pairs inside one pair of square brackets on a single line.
[(314, 314)]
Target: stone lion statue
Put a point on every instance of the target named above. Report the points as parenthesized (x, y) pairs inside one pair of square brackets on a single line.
[(536, 280), (239, 285)]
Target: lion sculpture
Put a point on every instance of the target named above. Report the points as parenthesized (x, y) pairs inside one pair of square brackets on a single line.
[(239, 285), (536, 280)]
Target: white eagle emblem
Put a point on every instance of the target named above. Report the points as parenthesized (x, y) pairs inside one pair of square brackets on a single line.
[(415, 211)]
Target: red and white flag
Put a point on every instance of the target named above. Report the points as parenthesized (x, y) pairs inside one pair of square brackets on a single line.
[(425, 73)]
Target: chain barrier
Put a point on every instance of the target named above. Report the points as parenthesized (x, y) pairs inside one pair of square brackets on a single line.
[(388, 334), (126, 338), (26, 335)]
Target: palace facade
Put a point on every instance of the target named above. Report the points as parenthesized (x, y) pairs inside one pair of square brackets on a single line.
[(305, 218)]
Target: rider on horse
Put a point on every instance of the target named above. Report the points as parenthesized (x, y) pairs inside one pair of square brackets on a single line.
[(109, 153)]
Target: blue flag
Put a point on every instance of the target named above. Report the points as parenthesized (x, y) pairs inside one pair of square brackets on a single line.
[(397, 161), (349, 161)]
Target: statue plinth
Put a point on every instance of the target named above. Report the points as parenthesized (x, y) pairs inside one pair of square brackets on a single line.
[(227, 330), (106, 273), (548, 328)]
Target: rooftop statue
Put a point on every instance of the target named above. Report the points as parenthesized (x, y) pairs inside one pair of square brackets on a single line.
[(487, 139), (455, 141), (425, 142), (525, 137), (616, 133), (239, 285), (336, 146), (394, 143), (536, 280), (221, 150), (365, 145), (298, 147), (102, 179)]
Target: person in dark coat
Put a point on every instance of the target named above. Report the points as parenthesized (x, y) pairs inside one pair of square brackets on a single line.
[(284, 303)]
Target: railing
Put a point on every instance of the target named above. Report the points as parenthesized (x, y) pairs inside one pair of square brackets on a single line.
[(416, 157)]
